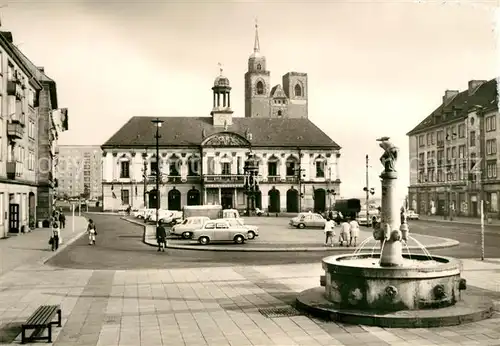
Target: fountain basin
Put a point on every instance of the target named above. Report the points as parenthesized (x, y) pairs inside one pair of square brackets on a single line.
[(359, 282)]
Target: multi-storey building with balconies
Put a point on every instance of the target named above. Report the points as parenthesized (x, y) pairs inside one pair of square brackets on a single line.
[(79, 171), (202, 161), (454, 154), (26, 161)]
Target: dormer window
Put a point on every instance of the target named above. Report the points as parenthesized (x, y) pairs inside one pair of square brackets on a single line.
[(280, 113), (259, 67)]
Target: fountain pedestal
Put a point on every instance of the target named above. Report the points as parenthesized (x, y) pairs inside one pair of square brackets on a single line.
[(389, 234)]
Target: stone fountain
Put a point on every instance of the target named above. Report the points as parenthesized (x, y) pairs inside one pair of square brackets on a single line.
[(392, 289)]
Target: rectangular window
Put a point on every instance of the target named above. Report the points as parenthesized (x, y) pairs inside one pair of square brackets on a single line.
[(472, 139), (320, 169), (428, 139), (491, 169), (124, 169), (421, 141), (461, 130), (491, 123), (226, 168), (125, 196), (491, 146), (290, 169), (272, 169), (433, 138), (193, 168), (153, 165), (421, 159)]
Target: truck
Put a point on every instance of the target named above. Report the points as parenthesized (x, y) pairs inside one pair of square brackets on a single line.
[(348, 207), (211, 211)]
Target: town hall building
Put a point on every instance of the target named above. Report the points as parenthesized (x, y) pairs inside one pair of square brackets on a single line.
[(202, 159)]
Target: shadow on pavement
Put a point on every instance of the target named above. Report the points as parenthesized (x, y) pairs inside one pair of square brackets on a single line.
[(9, 332)]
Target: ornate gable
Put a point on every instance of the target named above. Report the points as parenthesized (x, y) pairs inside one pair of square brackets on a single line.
[(225, 139), (277, 92)]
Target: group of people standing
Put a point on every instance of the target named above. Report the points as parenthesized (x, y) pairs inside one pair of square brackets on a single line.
[(348, 231)]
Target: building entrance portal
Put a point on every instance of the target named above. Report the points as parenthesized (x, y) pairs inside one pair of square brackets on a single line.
[(227, 198)]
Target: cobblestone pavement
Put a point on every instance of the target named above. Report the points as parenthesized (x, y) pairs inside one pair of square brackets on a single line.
[(208, 306)]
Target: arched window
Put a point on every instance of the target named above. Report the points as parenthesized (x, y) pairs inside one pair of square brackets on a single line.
[(260, 88), (298, 90), (259, 67), (280, 113)]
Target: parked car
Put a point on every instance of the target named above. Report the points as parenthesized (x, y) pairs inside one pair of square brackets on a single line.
[(309, 220), (172, 217), (162, 215), (252, 231), (139, 214), (187, 226), (219, 231), (412, 215)]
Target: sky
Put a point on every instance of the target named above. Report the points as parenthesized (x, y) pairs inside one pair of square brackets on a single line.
[(375, 68)]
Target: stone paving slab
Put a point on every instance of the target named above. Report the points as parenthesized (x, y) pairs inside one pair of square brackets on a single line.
[(33, 246), (210, 306)]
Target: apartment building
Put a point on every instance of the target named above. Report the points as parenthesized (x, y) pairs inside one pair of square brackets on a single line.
[(454, 154), (79, 171), (28, 97)]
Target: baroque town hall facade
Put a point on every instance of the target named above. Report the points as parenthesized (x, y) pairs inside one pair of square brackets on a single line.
[(202, 158)]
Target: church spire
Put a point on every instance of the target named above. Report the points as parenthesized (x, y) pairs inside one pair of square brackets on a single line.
[(256, 45)]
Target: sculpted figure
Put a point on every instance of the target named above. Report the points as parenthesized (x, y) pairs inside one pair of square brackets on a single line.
[(390, 155)]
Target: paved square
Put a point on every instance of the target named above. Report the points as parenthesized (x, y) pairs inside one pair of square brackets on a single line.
[(210, 306)]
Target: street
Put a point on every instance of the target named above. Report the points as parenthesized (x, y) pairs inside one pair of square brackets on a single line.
[(120, 247)]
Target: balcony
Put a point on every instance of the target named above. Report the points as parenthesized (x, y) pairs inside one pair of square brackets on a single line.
[(224, 180), (273, 179), (15, 130), (292, 179), (440, 144), (12, 171)]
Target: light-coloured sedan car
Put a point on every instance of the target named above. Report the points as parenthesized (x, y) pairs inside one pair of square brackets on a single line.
[(309, 220), (219, 231), (412, 215), (252, 231), (185, 228)]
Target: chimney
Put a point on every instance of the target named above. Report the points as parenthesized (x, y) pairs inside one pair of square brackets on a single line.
[(474, 85), (449, 95), (7, 35), (41, 68)]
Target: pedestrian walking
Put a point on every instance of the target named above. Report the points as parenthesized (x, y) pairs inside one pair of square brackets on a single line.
[(62, 220), (344, 233), (354, 232), (92, 230), (329, 231), (161, 237), (56, 235)]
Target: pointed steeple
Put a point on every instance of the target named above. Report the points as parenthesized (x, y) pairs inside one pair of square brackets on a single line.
[(256, 45)]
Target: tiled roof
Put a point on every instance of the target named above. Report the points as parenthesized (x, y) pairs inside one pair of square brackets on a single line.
[(485, 96), (191, 131)]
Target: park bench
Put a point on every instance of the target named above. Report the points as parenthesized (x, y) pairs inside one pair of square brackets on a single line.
[(40, 320)]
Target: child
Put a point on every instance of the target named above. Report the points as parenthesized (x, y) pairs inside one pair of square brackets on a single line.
[(92, 232), (344, 233)]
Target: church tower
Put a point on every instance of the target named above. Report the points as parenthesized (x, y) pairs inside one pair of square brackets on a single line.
[(257, 83), (222, 114)]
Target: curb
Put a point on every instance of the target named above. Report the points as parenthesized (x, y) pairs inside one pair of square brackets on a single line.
[(445, 243), (77, 235), (464, 223)]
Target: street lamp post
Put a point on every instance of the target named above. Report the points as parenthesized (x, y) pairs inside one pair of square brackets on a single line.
[(251, 169), (157, 123)]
